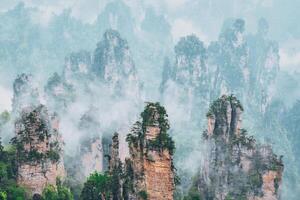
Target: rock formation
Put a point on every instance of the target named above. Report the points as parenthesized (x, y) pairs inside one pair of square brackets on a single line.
[(59, 94), (91, 148), (39, 149), (25, 93), (91, 156), (113, 64), (115, 169), (151, 156), (77, 65), (235, 166), (187, 82)]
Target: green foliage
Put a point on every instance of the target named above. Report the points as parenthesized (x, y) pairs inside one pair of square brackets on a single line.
[(53, 155), (276, 185), (36, 125), (8, 172), (255, 181), (143, 194), (190, 46), (236, 197), (4, 117), (156, 115), (244, 140), (96, 187), (193, 194), (59, 192), (228, 197), (3, 196), (162, 141), (16, 192), (50, 193), (115, 177), (128, 179), (219, 106)]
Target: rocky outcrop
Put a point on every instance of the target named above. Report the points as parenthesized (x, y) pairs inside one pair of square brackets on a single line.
[(187, 80), (77, 65), (263, 66), (59, 93), (228, 60), (115, 169), (91, 148), (39, 149), (25, 93), (235, 165), (91, 156), (113, 64), (151, 156)]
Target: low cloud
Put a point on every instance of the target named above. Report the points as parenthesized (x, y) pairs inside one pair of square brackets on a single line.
[(289, 61), (5, 99), (181, 28)]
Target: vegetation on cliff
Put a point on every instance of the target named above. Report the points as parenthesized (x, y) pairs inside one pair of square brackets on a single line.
[(241, 161), (58, 192), (9, 190), (153, 115), (34, 129)]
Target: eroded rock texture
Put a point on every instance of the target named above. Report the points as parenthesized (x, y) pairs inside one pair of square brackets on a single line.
[(91, 148), (235, 166), (151, 156), (39, 149)]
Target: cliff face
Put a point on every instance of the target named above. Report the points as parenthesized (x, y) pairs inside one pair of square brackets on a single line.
[(59, 93), (25, 93), (91, 156), (39, 149), (113, 64), (151, 156), (91, 148), (235, 165), (187, 80)]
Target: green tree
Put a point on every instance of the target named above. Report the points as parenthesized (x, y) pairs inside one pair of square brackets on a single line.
[(3, 196), (59, 192), (96, 187), (50, 193)]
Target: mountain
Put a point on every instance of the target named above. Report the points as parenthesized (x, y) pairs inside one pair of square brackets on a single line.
[(235, 165)]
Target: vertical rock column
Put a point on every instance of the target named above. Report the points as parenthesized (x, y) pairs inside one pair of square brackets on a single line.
[(151, 153), (236, 167), (39, 149)]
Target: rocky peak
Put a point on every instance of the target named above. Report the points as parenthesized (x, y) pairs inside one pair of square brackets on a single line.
[(91, 148), (188, 80), (190, 61), (263, 65), (115, 168), (114, 152), (110, 55), (236, 166), (151, 155), (230, 56), (113, 64), (224, 117), (59, 93), (25, 92), (77, 65), (39, 149)]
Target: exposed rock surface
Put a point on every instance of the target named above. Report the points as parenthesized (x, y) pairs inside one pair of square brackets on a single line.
[(114, 65), (91, 156), (39, 149), (25, 93), (187, 80), (151, 156), (235, 166), (59, 93)]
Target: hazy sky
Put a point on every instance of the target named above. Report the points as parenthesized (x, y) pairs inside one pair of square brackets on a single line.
[(201, 17)]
